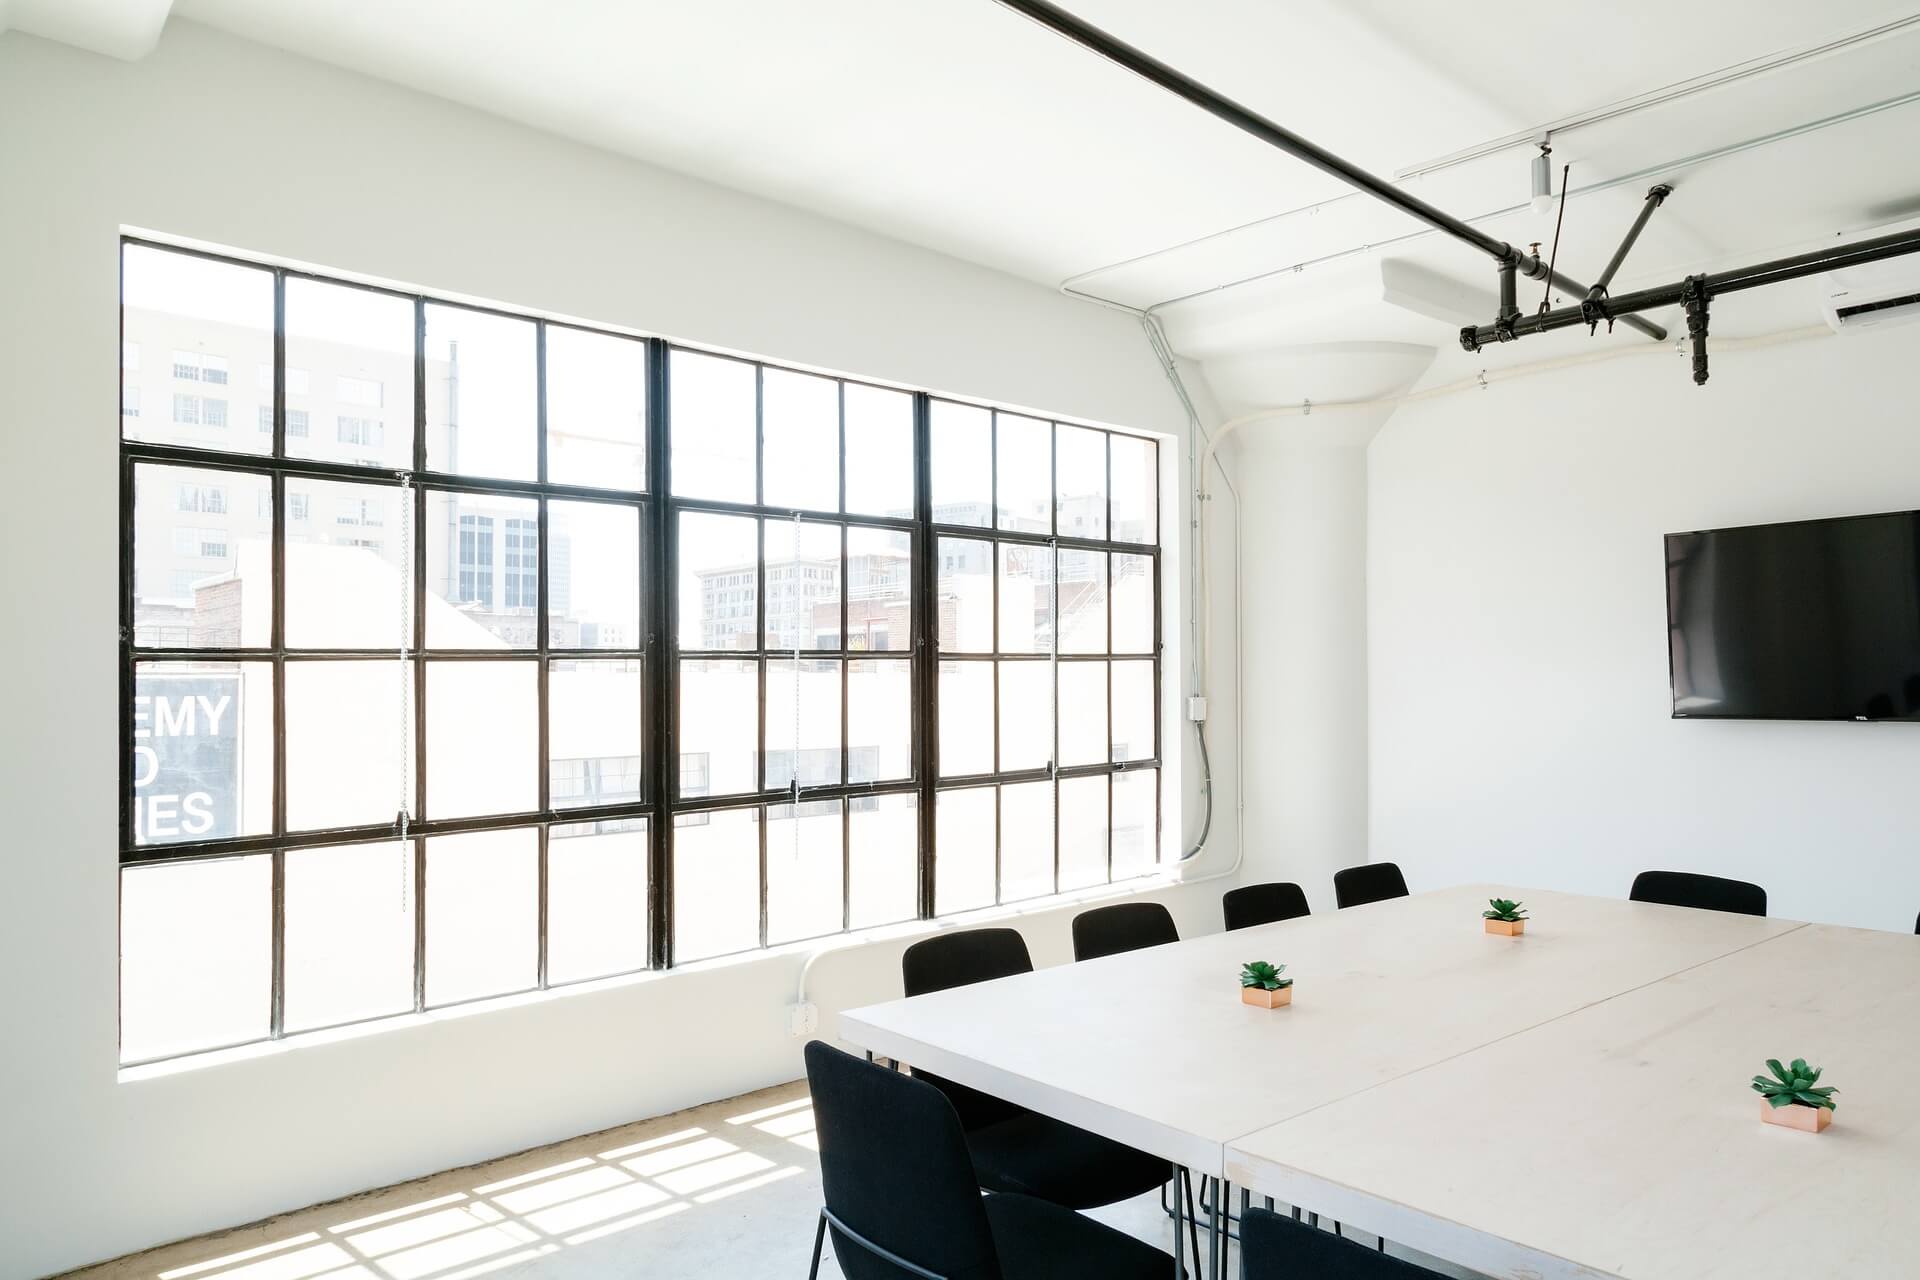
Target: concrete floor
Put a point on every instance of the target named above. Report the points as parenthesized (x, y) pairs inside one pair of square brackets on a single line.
[(730, 1189)]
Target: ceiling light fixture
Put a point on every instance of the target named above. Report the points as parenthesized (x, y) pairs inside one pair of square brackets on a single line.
[(1543, 180)]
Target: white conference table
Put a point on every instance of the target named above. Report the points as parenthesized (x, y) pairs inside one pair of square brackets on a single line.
[(1155, 1049), (1622, 1140)]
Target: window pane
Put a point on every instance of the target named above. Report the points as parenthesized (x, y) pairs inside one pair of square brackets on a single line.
[(483, 906), (963, 850), (719, 577), (1083, 832), (593, 732), (1023, 473), (1026, 715), (596, 409), (1080, 488), (199, 320), (483, 571), (1136, 822), (1133, 604), (1026, 840), (349, 948), (348, 728), (966, 718), (1133, 711), (879, 429), (202, 748), (879, 720), (803, 724), (347, 584), (800, 428), (1136, 489), (883, 840), (593, 576), (483, 738), (879, 589), (803, 585), (1082, 586), (202, 558), (354, 351), (716, 883), (719, 727), (804, 870), (1026, 598), (1083, 713), (482, 410), (596, 899), (196, 956), (962, 464), (964, 595), (712, 412)]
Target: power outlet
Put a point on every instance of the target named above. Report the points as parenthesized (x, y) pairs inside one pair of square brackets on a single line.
[(803, 1019)]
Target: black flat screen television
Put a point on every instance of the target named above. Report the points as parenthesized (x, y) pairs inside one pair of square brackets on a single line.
[(1813, 620)]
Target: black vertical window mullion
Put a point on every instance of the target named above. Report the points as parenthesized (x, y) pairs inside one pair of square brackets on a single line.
[(925, 649), (416, 645), (663, 643), (277, 494), (543, 643)]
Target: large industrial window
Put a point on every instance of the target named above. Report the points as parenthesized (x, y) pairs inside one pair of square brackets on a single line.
[(581, 653)]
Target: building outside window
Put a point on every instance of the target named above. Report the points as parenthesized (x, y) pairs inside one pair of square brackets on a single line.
[(718, 731)]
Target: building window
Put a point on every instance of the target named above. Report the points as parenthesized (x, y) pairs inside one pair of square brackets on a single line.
[(199, 411), (366, 432), (129, 402), (669, 717), (197, 366), (521, 568), (476, 560), (205, 498)]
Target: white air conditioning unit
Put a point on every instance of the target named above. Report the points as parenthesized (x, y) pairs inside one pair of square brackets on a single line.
[(1879, 293)]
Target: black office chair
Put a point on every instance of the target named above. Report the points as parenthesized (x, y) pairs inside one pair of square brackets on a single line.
[(901, 1202), (1278, 1248), (1016, 1150), (1254, 904), (1708, 893), (1125, 926), (1368, 882)]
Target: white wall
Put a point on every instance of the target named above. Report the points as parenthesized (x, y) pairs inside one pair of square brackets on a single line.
[(227, 142), (1517, 630)]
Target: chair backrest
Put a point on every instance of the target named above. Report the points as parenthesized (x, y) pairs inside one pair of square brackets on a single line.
[(1368, 882), (1278, 1248), (1253, 904), (1709, 893), (894, 1168), (1125, 926), (955, 960), (962, 957)]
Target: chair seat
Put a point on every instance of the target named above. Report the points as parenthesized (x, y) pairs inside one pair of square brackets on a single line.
[(1037, 1240), (1034, 1155)]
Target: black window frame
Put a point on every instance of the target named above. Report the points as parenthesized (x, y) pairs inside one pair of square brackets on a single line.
[(656, 649)]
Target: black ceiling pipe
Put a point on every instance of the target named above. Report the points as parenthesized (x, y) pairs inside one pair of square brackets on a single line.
[(1713, 284), (1150, 68)]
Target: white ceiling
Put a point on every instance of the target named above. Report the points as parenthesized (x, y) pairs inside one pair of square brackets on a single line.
[(959, 125)]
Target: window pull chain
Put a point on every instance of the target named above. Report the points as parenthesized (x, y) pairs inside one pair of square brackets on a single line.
[(403, 818)]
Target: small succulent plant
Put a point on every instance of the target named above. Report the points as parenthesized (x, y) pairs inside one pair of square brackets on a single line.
[(1504, 909), (1258, 973), (1793, 1085)]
